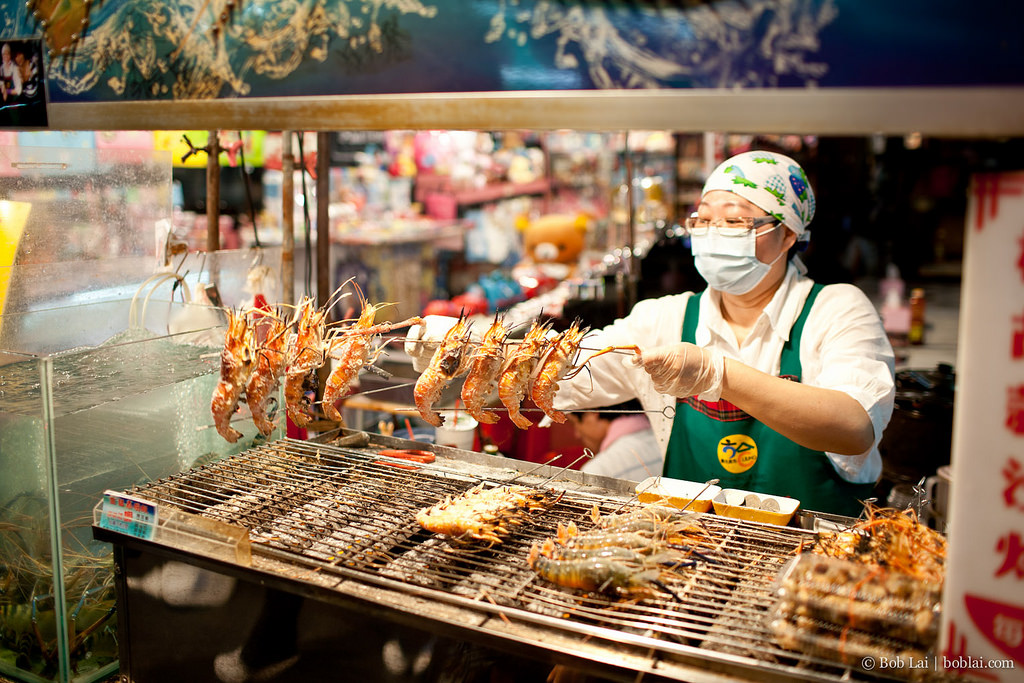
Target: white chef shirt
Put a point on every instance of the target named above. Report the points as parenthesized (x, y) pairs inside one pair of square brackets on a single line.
[(843, 347)]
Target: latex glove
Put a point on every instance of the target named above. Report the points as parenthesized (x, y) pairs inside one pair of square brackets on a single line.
[(422, 340), (684, 370)]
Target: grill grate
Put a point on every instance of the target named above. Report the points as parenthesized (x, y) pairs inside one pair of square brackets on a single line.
[(351, 513)]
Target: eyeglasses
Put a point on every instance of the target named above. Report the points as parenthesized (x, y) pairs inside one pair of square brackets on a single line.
[(726, 227)]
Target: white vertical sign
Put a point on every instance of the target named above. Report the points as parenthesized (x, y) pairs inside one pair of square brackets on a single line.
[(983, 603)]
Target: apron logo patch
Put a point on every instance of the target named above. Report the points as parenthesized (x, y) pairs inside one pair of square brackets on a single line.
[(737, 453)]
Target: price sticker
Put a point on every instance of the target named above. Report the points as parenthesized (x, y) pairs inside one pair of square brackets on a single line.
[(128, 515)]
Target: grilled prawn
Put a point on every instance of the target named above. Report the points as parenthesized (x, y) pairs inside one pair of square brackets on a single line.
[(514, 383), (646, 526), (483, 514), (570, 537), (669, 559), (553, 367), (353, 349), (595, 574), (271, 359), (448, 362), (235, 366), (553, 551), (305, 355), (481, 385), (651, 519)]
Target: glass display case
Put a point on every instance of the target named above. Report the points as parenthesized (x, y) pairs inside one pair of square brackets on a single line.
[(74, 423), (107, 369)]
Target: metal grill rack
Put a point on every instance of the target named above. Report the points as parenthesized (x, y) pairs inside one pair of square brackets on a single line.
[(347, 516)]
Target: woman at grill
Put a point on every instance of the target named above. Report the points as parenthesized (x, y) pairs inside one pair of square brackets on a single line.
[(779, 385), (774, 383)]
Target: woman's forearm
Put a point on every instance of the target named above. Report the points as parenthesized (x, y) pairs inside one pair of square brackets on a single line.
[(816, 418)]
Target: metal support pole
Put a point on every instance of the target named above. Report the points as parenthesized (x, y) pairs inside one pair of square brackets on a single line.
[(213, 192), (287, 219), (323, 231), (323, 235), (632, 265)]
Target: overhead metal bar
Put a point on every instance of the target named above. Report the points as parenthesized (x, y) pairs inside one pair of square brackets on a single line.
[(948, 112)]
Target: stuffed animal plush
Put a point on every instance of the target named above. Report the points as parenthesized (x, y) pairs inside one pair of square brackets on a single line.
[(552, 244)]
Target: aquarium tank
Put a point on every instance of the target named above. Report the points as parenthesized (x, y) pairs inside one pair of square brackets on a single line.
[(109, 356)]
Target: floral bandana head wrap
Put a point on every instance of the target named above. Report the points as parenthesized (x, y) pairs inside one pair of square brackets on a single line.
[(772, 182)]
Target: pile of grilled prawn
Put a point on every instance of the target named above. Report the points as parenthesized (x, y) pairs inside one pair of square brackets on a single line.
[(889, 539)]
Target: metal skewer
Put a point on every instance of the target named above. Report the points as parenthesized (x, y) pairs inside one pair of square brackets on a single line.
[(708, 484), (534, 469), (475, 342), (667, 411)]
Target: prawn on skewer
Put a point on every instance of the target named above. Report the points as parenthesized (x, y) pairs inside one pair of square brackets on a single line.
[(514, 383), (235, 366), (553, 551), (353, 349), (890, 538), (305, 355), (271, 359), (570, 537), (481, 383), (448, 362), (658, 513), (556, 363)]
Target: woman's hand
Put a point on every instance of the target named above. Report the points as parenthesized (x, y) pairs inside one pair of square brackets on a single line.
[(422, 340), (683, 369), (814, 417)]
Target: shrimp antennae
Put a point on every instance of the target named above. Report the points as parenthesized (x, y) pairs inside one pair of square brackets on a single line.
[(607, 349)]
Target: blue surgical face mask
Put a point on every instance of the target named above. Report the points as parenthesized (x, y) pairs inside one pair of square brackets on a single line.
[(729, 264)]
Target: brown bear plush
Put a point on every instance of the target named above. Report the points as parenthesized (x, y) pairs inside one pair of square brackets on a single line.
[(552, 245)]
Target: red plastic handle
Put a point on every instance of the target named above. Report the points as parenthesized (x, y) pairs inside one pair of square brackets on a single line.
[(425, 457), (399, 465)]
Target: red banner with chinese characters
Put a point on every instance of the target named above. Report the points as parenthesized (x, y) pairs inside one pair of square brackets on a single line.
[(983, 603)]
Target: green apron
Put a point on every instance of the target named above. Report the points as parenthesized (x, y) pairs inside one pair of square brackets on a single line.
[(720, 441)]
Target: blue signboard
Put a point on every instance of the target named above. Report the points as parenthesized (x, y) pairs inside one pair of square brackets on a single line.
[(136, 50)]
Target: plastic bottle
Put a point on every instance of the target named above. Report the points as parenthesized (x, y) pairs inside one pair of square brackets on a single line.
[(916, 335), (892, 282), (896, 318)]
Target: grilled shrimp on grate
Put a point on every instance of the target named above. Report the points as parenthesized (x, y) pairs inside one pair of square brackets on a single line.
[(483, 514)]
